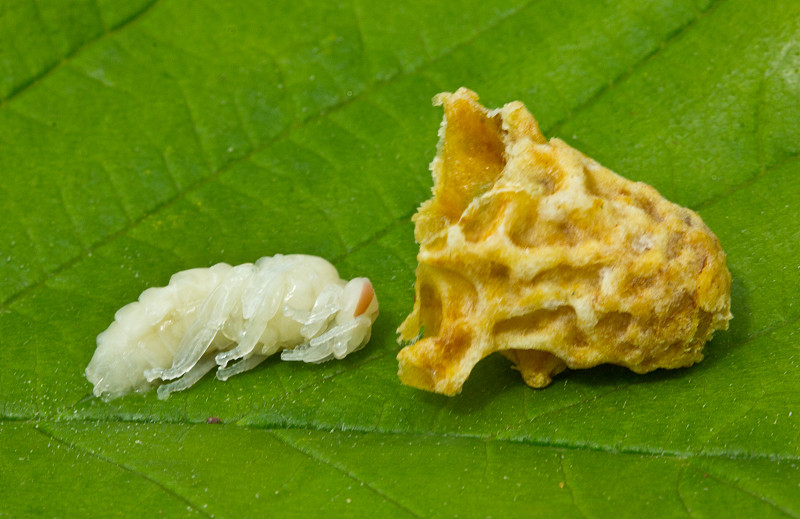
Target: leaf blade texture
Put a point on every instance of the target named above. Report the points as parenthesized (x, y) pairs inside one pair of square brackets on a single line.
[(141, 138)]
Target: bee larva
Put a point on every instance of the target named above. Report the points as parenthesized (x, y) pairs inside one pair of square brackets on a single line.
[(232, 318)]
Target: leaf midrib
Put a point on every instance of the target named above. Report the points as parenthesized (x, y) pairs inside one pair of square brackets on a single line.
[(348, 473), (394, 433)]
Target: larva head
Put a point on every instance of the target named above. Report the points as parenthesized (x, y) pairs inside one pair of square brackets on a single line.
[(349, 331), (359, 310)]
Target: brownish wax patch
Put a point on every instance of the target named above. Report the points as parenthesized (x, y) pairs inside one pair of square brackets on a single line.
[(531, 249)]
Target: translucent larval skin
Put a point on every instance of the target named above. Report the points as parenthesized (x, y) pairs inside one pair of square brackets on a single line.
[(531, 249), (207, 318)]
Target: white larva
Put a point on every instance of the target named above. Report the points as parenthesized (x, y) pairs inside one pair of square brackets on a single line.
[(232, 318)]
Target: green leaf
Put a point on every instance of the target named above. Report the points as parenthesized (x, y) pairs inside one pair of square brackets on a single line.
[(145, 137)]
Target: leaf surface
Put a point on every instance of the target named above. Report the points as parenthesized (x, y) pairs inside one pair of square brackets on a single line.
[(141, 138)]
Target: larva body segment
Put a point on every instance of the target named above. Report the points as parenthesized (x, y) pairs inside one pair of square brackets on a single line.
[(231, 318), (145, 334)]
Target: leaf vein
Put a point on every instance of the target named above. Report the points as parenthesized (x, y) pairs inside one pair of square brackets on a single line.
[(678, 492), (116, 192), (38, 78), (676, 35), (123, 467), (360, 31), (37, 10), (380, 196), (705, 204), (336, 466), (305, 193), (734, 485), (568, 486), (193, 124)]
